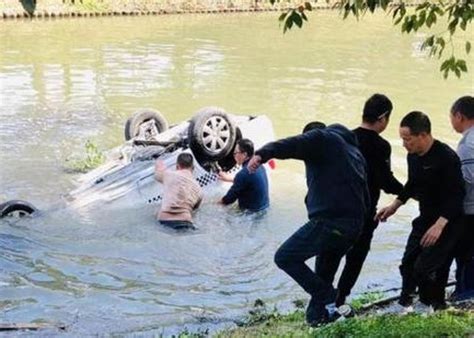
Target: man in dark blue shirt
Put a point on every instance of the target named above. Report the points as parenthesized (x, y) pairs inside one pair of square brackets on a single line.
[(250, 190), (337, 203)]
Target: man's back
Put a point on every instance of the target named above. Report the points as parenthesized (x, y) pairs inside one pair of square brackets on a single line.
[(336, 173), (181, 194), (377, 151)]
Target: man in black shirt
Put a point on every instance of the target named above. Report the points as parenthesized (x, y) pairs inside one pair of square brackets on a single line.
[(435, 180), (337, 202), (376, 151)]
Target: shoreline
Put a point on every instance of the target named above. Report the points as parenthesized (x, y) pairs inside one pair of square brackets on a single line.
[(58, 9), (53, 9)]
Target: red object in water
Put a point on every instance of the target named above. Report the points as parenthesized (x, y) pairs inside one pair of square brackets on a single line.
[(272, 164)]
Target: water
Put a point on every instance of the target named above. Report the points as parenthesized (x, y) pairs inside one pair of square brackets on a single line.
[(115, 271)]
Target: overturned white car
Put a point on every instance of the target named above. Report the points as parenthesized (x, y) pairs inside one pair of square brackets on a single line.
[(127, 177)]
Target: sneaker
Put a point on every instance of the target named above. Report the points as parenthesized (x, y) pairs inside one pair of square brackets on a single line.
[(399, 309), (345, 311), (336, 314), (422, 308)]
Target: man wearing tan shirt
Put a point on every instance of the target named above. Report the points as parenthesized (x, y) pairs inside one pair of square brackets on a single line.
[(181, 193)]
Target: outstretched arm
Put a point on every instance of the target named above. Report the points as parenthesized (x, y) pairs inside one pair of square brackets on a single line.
[(160, 169)]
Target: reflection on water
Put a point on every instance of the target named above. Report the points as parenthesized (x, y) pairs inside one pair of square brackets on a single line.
[(64, 82)]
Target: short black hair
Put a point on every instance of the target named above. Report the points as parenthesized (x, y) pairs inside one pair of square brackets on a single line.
[(464, 106), (246, 146), (376, 107), (314, 125), (185, 161), (417, 122)]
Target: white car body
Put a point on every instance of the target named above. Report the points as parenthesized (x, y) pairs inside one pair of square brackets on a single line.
[(127, 178)]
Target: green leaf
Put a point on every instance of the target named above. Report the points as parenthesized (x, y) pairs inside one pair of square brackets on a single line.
[(468, 47), (282, 16), (29, 6), (272, 2), (305, 18), (307, 6), (298, 21), (457, 72), (445, 65), (452, 26), (461, 64)]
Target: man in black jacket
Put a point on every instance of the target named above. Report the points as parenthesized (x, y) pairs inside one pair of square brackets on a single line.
[(435, 180), (337, 202), (376, 151)]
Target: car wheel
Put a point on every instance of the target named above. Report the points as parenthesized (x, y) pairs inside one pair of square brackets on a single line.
[(145, 124), (212, 134), (16, 208)]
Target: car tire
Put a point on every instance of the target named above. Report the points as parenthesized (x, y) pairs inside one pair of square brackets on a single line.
[(17, 208), (145, 123), (212, 134)]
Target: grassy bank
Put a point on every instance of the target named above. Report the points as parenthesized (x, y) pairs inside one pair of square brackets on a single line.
[(453, 323)]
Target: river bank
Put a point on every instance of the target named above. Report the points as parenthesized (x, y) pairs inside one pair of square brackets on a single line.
[(458, 321), (90, 8)]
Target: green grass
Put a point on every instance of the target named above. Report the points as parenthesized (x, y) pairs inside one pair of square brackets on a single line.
[(442, 324), (366, 298), (92, 159)]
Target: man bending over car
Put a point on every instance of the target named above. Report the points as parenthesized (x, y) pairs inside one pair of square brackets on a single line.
[(181, 193)]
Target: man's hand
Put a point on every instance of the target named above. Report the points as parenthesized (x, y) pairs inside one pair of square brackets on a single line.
[(254, 163), (226, 177), (388, 211), (432, 235), (160, 165)]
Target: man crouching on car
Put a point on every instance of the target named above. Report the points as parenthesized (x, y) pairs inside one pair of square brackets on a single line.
[(181, 193)]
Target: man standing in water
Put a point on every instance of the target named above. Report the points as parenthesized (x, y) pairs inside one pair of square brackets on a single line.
[(250, 190), (462, 120), (376, 151), (181, 193), (336, 202), (435, 180)]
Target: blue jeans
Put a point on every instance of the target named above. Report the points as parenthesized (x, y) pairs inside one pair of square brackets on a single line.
[(330, 238)]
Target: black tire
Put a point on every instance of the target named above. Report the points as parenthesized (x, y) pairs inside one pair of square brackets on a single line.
[(139, 118), (212, 134), (17, 208)]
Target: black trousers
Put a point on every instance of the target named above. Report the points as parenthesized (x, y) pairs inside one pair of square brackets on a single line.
[(427, 268), (326, 238), (465, 261), (354, 260)]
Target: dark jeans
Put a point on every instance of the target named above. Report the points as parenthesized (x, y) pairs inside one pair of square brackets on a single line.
[(427, 268), (329, 239), (355, 259), (178, 225), (465, 261)]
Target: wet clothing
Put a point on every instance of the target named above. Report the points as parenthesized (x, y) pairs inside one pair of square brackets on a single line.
[(335, 171), (435, 179), (376, 151), (181, 195), (337, 202), (251, 190), (465, 252), (178, 225)]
